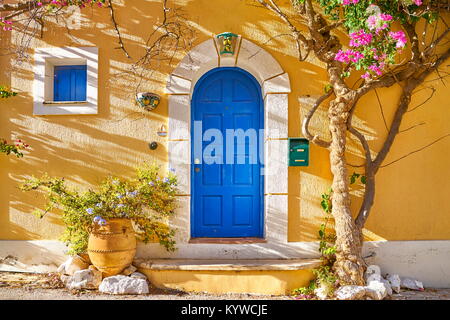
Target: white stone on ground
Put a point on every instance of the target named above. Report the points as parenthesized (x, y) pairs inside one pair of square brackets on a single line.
[(394, 280), (121, 284), (411, 284), (350, 292), (376, 290), (129, 270), (388, 286), (84, 279), (73, 264), (138, 275), (373, 277), (322, 292), (371, 270)]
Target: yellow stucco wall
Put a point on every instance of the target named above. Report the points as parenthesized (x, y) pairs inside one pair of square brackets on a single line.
[(84, 149)]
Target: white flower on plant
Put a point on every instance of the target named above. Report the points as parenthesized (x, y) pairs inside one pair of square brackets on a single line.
[(90, 210), (132, 194), (100, 221), (373, 9)]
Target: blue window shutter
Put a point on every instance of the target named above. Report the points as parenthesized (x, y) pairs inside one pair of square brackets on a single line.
[(62, 84), (70, 83), (80, 83)]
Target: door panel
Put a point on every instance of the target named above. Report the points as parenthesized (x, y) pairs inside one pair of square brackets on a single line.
[(227, 188)]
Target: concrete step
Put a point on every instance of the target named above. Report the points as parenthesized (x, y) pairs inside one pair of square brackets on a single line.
[(274, 277)]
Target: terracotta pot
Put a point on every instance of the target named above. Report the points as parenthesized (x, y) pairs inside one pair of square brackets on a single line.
[(112, 247)]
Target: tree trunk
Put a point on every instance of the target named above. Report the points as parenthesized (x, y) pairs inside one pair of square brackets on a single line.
[(349, 265)]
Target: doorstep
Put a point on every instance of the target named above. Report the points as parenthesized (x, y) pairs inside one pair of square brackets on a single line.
[(273, 277), (228, 265)]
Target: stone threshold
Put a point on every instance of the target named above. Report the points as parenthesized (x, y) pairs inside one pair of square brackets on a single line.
[(227, 265)]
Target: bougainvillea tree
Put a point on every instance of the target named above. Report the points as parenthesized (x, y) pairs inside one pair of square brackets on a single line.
[(379, 32)]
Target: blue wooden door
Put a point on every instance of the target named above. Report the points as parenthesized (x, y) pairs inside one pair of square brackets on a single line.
[(227, 186)]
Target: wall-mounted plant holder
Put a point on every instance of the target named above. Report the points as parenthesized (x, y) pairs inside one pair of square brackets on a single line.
[(162, 132), (147, 100), (227, 43)]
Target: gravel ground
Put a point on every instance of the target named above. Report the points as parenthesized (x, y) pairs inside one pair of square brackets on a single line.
[(63, 294), (26, 286)]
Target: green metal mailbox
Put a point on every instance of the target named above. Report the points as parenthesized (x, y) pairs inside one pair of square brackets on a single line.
[(298, 152)]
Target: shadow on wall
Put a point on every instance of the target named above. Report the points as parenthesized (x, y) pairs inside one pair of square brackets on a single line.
[(85, 149)]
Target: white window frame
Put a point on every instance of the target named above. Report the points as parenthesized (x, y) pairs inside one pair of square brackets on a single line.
[(45, 59)]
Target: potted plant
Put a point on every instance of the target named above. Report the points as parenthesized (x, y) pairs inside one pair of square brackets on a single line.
[(106, 222)]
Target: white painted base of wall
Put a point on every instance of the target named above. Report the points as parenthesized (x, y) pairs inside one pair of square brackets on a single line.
[(31, 256), (427, 261)]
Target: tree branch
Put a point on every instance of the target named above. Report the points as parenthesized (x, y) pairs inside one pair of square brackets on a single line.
[(381, 110), (116, 27), (433, 90), (22, 6), (415, 151), (300, 39), (305, 124), (412, 127)]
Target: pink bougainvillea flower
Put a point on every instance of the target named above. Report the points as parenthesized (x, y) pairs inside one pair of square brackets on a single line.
[(400, 37), (372, 22), (378, 21), (348, 2), (348, 56), (385, 17), (360, 38), (366, 75), (418, 2), (375, 69)]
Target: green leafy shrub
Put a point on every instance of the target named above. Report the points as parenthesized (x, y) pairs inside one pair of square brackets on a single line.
[(327, 247), (324, 276), (305, 292), (148, 200)]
